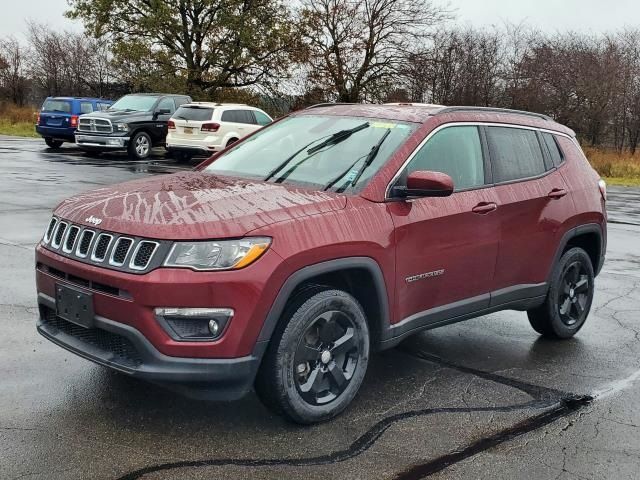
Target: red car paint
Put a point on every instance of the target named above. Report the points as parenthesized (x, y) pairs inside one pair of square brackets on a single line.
[(486, 240)]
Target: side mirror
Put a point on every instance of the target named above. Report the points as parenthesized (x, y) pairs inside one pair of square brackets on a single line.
[(161, 111), (425, 184)]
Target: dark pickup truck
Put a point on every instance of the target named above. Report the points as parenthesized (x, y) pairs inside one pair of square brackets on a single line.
[(136, 123)]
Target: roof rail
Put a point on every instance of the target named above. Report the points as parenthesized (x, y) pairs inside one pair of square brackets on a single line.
[(494, 110), (319, 105)]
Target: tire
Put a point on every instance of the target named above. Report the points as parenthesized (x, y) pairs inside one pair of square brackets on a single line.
[(140, 146), (567, 306), (51, 143), (231, 142), (317, 357)]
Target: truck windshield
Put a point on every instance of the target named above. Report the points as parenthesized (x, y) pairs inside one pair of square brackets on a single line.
[(324, 152), (138, 103), (54, 105)]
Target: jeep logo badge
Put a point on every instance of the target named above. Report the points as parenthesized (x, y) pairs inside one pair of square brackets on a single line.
[(94, 220)]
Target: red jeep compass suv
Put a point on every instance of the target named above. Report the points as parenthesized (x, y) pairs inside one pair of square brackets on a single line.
[(284, 260)]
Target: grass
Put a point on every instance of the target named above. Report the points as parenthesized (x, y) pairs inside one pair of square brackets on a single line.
[(616, 168), (18, 121)]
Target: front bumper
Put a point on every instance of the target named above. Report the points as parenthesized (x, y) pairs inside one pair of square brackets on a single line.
[(101, 141), (125, 349)]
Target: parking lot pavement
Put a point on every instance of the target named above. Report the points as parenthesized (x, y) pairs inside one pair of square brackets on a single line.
[(482, 399)]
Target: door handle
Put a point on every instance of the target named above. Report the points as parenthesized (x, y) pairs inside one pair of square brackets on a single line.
[(557, 193), (484, 208)]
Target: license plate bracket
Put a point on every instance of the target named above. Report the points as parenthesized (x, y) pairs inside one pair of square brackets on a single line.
[(74, 305)]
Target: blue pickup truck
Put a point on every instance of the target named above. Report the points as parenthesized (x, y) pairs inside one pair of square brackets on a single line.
[(58, 117)]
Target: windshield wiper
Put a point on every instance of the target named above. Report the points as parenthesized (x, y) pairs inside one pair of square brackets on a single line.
[(337, 137), (331, 141), (368, 161)]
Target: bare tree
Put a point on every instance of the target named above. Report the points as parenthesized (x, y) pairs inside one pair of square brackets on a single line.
[(13, 78), (357, 48)]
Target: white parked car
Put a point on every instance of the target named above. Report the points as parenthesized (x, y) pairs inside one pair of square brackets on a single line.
[(206, 127)]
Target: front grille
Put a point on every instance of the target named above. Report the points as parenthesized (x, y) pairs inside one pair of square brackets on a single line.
[(50, 228), (70, 242), (100, 250), (143, 254), (57, 239), (85, 243), (118, 252), (123, 352), (94, 125)]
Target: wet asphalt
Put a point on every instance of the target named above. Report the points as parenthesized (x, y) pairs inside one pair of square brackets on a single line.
[(483, 399)]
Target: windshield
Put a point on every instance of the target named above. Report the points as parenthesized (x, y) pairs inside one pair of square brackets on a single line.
[(325, 152), (60, 106), (138, 103)]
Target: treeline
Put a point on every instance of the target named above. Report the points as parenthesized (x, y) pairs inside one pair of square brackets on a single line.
[(283, 56)]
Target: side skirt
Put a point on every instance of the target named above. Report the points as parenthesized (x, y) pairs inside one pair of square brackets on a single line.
[(519, 297)]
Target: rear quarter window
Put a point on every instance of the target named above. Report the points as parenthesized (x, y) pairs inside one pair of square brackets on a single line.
[(60, 106), (238, 116), (554, 150), (515, 153)]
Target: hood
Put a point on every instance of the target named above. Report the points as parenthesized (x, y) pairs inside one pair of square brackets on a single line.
[(119, 115), (194, 205)]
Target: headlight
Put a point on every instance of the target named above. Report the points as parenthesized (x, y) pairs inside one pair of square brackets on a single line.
[(217, 255), (120, 127)]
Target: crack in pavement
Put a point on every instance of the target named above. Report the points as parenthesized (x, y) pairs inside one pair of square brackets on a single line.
[(557, 403)]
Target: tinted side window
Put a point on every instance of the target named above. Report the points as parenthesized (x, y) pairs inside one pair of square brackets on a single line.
[(261, 118), (166, 103), (554, 150), (86, 107), (456, 151), (515, 153), (181, 100), (238, 116)]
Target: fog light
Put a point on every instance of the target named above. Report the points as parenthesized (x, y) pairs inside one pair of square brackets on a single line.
[(214, 328), (194, 324)]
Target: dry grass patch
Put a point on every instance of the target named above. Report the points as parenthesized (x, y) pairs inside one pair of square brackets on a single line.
[(19, 121), (617, 168)]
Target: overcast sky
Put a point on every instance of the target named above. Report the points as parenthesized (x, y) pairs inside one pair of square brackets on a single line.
[(550, 15)]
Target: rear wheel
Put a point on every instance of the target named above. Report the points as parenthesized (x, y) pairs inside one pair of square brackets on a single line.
[(231, 142), (51, 143), (568, 302), (140, 146), (317, 358)]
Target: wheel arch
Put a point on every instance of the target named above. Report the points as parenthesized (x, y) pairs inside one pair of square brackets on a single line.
[(590, 238), (360, 276)]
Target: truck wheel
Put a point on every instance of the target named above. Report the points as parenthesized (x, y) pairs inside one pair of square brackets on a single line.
[(317, 357), (51, 143), (140, 146), (568, 302)]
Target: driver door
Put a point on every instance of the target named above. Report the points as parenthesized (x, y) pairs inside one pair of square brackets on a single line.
[(446, 248)]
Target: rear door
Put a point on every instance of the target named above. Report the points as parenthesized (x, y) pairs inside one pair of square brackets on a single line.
[(56, 113), (534, 205), (446, 248), (189, 120)]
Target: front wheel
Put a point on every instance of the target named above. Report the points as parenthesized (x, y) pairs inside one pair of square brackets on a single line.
[(568, 302), (140, 146), (317, 358), (51, 143)]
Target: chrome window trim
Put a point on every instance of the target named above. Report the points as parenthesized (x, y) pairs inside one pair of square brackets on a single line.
[(82, 234), (113, 251), (55, 234), (95, 246), (135, 252), (47, 238), (471, 124), (66, 237)]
